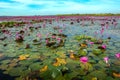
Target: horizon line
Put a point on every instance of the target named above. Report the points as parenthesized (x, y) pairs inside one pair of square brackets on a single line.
[(69, 14)]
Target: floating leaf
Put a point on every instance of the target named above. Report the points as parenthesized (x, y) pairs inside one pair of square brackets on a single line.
[(83, 45), (82, 52), (35, 66), (94, 78), (72, 56), (45, 68), (96, 51), (86, 66), (116, 75), (23, 57), (101, 75), (59, 62)]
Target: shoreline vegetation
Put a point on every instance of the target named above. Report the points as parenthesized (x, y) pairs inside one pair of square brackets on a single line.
[(101, 14)]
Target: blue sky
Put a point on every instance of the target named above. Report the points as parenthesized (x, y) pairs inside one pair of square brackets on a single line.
[(52, 7)]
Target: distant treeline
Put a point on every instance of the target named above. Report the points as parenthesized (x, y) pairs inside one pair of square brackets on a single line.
[(106, 14)]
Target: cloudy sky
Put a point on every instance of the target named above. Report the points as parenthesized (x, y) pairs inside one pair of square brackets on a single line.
[(52, 7)]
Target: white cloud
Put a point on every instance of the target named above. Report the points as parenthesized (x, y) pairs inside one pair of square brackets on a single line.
[(11, 6)]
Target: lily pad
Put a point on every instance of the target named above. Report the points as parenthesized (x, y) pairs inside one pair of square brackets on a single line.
[(3, 66), (96, 51), (86, 66), (35, 66), (5, 61), (16, 71), (101, 75), (82, 52)]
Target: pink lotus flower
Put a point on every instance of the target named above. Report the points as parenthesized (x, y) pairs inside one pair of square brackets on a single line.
[(115, 24), (107, 26), (39, 35), (53, 37), (106, 59), (58, 39), (104, 46), (60, 31), (25, 29), (117, 55), (47, 34), (46, 41), (44, 24), (101, 31), (84, 59), (91, 43)]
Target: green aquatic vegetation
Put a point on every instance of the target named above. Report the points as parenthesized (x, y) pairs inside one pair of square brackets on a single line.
[(115, 62), (103, 55), (51, 73), (16, 71), (26, 62), (39, 64), (35, 66), (82, 52), (58, 73), (61, 54), (5, 61), (12, 64), (103, 64), (97, 51), (84, 37), (86, 67), (3, 66), (101, 75), (92, 61), (25, 73)]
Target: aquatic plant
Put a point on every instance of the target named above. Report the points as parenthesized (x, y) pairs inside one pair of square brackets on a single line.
[(104, 46), (59, 39), (23, 57), (59, 62), (82, 52), (85, 66), (97, 51), (60, 31), (44, 68), (91, 43), (116, 75), (106, 59), (84, 59), (19, 37), (72, 55), (117, 55), (39, 35), (84, 37)]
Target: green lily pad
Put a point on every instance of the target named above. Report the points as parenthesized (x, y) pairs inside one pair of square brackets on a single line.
[(92, 61), (86, 66), (26, 62), (16, 71), (96, 51), (3, 66), (101, 75), (52, 73), (82, 52), (5, 61), (35, 66)]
